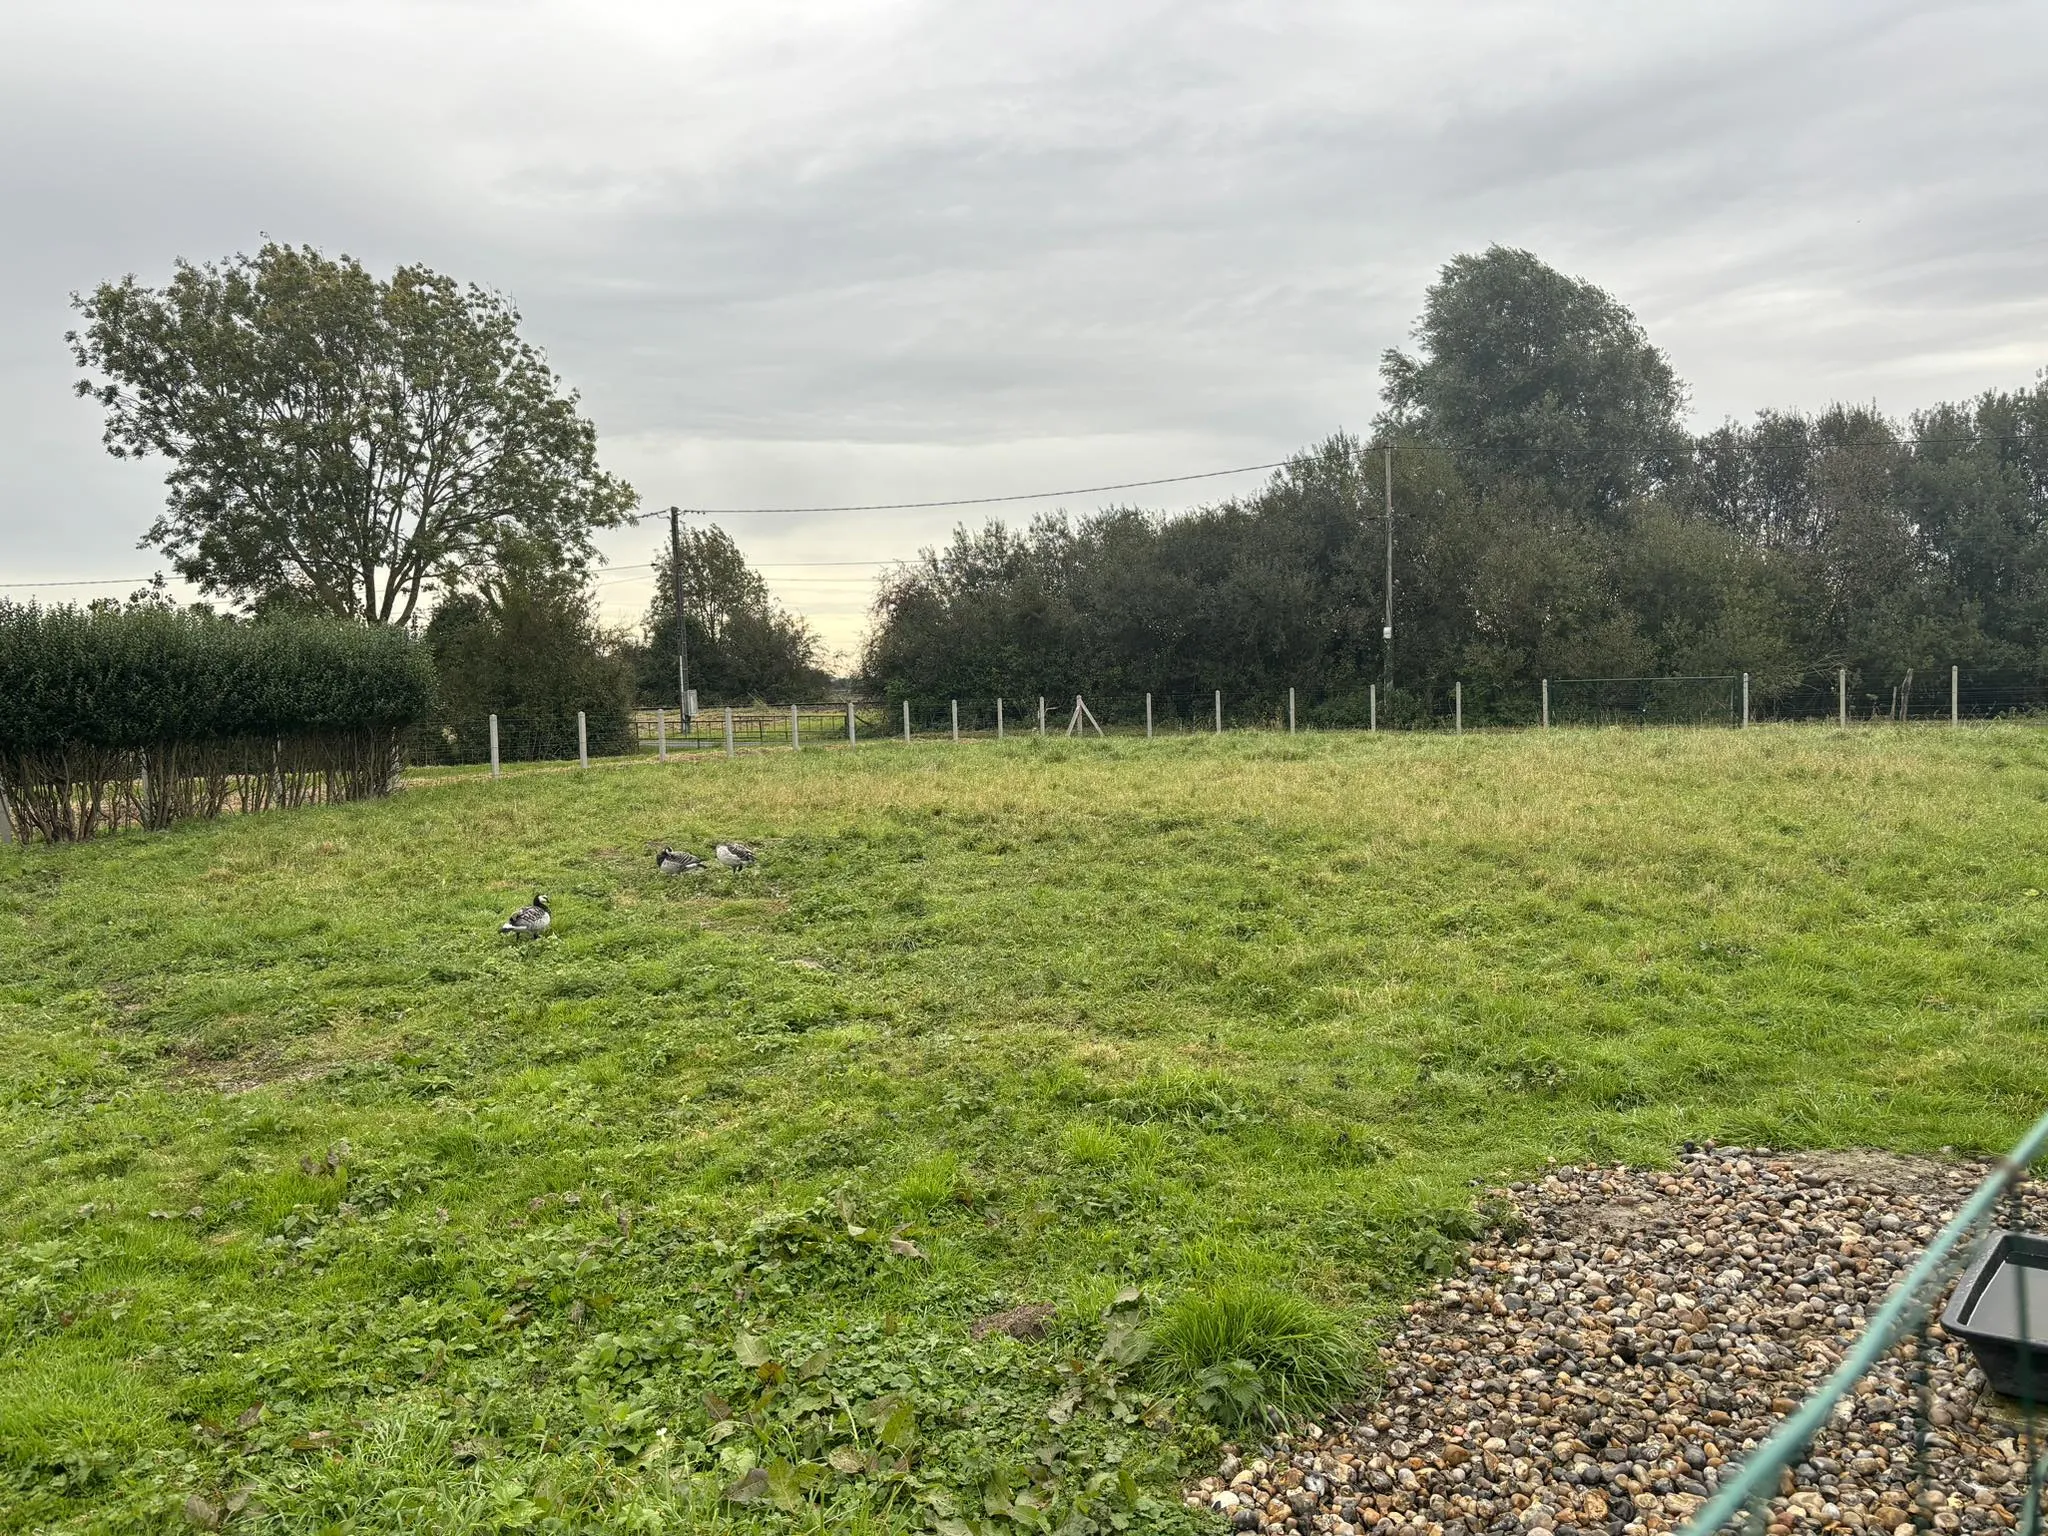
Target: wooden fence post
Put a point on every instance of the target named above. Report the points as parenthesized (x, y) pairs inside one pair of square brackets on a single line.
[(494, 746), (1372, 704), (1955, 695), (1546, 703), (956, 722), (1290, 711), (1148, 717), (852, 740), (1458, 707), (1745, 699), (796, 740), (999, 717), (1219, 711), (1041, 714), (1842, 697), (6, 821), (660, 734), (728, 731), (582, 740), (906, 722)]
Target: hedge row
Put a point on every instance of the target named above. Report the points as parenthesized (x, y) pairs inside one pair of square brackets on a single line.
[(151, 715), (137, 678)]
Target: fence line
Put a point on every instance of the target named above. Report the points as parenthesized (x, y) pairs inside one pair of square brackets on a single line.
[(1836, 698)]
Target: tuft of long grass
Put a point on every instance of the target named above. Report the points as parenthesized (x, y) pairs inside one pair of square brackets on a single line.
[(1247, 1352)]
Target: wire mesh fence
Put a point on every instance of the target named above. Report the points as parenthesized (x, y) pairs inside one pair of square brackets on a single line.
[(1973, 1308), (1731, 700)]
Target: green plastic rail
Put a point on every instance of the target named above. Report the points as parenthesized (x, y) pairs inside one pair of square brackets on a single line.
[(1901, 1313)]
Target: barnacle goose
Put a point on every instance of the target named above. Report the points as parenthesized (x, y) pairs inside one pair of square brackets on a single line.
[(530, 922)]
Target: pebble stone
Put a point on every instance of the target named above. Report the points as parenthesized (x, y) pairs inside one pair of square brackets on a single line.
[(1598, 1373)]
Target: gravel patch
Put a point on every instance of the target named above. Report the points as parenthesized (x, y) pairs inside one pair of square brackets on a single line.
[(1597, 1373)]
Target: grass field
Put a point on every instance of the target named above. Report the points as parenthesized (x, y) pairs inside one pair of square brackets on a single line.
[(322, 1207)]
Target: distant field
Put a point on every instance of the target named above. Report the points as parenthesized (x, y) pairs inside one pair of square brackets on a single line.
[(323, 1207)]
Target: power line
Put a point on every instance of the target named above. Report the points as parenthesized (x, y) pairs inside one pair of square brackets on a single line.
[(109, 581), (978, 501)]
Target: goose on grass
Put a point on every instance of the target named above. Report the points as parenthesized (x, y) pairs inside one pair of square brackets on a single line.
[(677, 861), (530, 922), (735, 856)]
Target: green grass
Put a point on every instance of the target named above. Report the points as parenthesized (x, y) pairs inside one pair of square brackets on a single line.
[(1248, 1354), (314, 1191)]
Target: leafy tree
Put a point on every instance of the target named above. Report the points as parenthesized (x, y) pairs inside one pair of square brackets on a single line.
[(1527, 374), (742, 644), (527, 647), (339, 442)]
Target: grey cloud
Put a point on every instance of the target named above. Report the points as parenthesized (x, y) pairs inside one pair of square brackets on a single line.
[(867, 253)]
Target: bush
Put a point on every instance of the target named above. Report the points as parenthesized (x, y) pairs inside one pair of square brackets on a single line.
[(534, 655), (150, 715), (1250, 1355)]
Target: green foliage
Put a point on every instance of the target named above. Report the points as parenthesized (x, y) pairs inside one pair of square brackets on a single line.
[(107, 678), (339, 443), (1527, 375), (151, 712), (1551, 520), (531, 652), (313, 1191), (1250, 1354), (742, 645)]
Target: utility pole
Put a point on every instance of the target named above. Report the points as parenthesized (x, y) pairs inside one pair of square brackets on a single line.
[(1387, 631), (675, 562)]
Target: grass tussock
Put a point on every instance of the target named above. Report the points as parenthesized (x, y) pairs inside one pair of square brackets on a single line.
[(1249, 1354)]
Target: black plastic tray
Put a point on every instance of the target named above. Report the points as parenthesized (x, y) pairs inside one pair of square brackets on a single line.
[(1984, 1310)]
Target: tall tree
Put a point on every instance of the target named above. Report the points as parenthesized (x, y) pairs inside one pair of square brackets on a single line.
[(742, 644), (337, 441), (1527, 374)]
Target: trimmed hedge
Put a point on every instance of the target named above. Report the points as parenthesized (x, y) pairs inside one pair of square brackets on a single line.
[(150, 714)]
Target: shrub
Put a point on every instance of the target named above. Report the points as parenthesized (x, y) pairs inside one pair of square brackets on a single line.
[(1249, 1354), (532, 654), (150, 715)]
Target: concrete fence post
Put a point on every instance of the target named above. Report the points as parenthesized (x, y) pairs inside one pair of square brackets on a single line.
[(1219, 711), (1290, 711), (1041, 714), (582, 740), (999, 717), (1842, 697), (1546, 703), (796, 739), (728, 731), (1372, 705), (661, 735), (851, 739), (1955, 695), (1458, 708), (494, 746), (956, 722), (1148, 717), (6, 821), (906, 722), (1745, 699)]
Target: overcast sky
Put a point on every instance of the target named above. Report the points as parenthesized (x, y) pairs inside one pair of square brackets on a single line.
[(851, 252)]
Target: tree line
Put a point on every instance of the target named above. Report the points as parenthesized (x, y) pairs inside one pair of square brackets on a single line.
[(1552, 518), (390, 451)]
